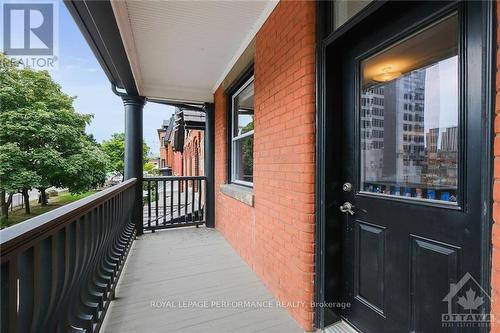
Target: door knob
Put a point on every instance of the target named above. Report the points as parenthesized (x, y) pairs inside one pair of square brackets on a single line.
[(347, 187), (347, 208)]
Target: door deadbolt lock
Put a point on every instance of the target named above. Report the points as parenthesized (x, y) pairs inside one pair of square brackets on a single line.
[(347, 208), (347, 187)]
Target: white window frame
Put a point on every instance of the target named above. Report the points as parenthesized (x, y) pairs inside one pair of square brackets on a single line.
[(238, 137)]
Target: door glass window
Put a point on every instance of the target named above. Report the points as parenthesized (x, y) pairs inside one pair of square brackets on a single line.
[(409, 133)]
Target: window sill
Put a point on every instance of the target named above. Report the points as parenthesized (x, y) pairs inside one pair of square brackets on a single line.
[(238, 192)]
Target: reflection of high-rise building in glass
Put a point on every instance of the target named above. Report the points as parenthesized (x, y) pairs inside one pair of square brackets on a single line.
[(372, 131), (440, 167), (449, 139), (409, 137), (392, 129), (432, 137)]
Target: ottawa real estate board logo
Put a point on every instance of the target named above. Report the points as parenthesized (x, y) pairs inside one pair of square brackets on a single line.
[(30, 33), (467, 304)]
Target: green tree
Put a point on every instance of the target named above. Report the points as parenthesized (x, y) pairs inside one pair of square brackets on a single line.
[(150, 168), (87, 168), (115, 149), (247, 150), (14, 176), (42, 137)]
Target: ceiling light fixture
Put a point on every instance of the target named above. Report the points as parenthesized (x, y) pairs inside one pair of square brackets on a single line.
[(387, 75)]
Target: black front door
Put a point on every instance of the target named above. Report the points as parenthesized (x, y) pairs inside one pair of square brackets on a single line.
[(408, 192)]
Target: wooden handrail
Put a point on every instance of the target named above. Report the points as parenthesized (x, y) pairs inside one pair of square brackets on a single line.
[(19, 234)]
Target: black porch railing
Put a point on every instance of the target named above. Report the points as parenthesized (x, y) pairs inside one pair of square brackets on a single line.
[(171, 202), (59, 270)]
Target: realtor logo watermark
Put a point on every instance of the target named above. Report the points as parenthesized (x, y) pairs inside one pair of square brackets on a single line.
[(161, 303), (467, 304), (30, 33)]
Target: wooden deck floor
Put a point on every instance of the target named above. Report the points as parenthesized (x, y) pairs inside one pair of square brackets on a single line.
[(168, 269)]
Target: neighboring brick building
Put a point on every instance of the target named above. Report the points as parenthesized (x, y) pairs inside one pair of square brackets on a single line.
[(182, 144), (193, 156), (166, 155)]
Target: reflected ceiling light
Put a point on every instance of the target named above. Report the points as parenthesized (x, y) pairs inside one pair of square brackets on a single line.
[(387, 75)]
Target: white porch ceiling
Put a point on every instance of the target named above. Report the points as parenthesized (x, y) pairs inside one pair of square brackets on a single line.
[(182, 50)]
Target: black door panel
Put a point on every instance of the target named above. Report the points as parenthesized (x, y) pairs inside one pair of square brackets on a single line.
[(433, 267), (369, 258)]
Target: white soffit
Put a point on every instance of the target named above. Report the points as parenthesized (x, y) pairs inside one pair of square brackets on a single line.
[(182, 50)]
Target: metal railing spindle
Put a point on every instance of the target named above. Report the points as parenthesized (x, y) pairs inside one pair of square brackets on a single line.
[(183, 208), (149, 204), (171, 201), (192, 202), (157, 201), (179, 187), (164, 201)]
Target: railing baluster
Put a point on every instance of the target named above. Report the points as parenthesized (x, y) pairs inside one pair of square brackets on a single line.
[(199, 200), (171, 201), (77, 314), (4, 297), (4, 294), (149, 204), (192, 202), (157, 201), (70, 266), (85, 308), (26, 291), (178, 200), (57, 255), (164, 201), (186, 202), (13, 295), (90, 297), (42, 282)]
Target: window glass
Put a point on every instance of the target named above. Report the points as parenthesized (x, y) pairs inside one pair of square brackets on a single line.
[(242, 134), (409, 133), (243, 151), (345, 9)]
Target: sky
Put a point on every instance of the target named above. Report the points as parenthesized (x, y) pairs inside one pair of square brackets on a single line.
[(80, 75), (441, 94)]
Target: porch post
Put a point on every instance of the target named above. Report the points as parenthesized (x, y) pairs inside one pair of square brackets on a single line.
[(209, 164), (134, 150)]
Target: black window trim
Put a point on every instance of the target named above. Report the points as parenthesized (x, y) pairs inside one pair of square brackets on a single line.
[(242, 80)]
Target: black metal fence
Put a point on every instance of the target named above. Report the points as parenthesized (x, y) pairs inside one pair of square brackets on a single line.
[(171, 202), (59, 270)]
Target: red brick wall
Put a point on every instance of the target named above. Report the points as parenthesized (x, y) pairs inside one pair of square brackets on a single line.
[(163, 150), (234, 219), (495, 271), (177, 164), (170, 155), (170, 151), (194, 143), (277, 236)]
